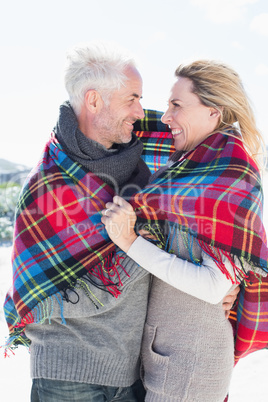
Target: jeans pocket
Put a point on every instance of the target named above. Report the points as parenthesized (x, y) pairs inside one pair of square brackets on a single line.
[(155, 365)]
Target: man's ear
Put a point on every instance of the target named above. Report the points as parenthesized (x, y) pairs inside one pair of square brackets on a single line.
[(93, 101)]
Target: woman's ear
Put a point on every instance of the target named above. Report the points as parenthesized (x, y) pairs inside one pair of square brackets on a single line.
[(215, 113)]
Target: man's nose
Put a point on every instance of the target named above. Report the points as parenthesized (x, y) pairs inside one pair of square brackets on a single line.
[(140, 112)]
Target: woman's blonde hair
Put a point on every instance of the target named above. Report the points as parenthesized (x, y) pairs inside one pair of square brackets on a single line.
[(218, 85)]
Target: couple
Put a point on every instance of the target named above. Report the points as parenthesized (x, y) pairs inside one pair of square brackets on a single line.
[(78, 301)]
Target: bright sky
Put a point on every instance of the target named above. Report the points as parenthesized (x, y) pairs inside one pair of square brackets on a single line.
[(161, 34)]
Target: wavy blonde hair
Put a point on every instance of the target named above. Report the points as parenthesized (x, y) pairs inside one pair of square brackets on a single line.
[(218, 85)]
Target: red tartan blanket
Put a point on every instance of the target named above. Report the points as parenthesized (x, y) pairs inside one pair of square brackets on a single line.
[(214, 194), (70, 248), (58, 239)]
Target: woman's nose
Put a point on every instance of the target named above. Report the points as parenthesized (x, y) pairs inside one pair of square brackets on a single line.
[(166, 118)]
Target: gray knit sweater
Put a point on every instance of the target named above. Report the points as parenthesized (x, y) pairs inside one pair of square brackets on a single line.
[(97, 346)]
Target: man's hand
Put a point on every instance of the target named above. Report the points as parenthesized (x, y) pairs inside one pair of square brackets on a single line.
[(229, 300)]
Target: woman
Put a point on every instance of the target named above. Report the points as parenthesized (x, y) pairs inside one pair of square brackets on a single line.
[(203, 211)]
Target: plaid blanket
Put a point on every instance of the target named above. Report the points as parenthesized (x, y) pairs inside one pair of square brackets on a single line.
[(156, 138), (58, 238), (214, 194), (59, 211), (249, 317)]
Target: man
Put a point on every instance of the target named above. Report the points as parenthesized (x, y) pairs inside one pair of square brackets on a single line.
[(76, 300)]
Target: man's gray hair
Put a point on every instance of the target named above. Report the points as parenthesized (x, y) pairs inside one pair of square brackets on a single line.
[(97, 65)]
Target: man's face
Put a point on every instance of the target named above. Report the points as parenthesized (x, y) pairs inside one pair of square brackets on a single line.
[(115, 122)]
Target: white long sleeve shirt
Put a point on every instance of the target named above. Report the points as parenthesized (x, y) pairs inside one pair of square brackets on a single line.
[(205, 282)]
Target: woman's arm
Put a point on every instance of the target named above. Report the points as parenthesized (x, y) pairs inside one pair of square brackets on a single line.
[(205, 282)]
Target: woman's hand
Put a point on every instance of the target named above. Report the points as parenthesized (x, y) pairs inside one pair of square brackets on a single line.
[(229, 300), (119, 219)]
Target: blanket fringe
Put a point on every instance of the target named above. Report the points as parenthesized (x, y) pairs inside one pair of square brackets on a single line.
[(108, 275), (109, 280), (41, 312), (241, 272), (165, 238)]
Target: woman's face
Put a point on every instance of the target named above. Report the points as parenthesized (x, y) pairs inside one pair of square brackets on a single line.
[(189, 120)]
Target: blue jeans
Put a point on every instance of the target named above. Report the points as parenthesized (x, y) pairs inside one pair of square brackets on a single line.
[(62, 391)]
